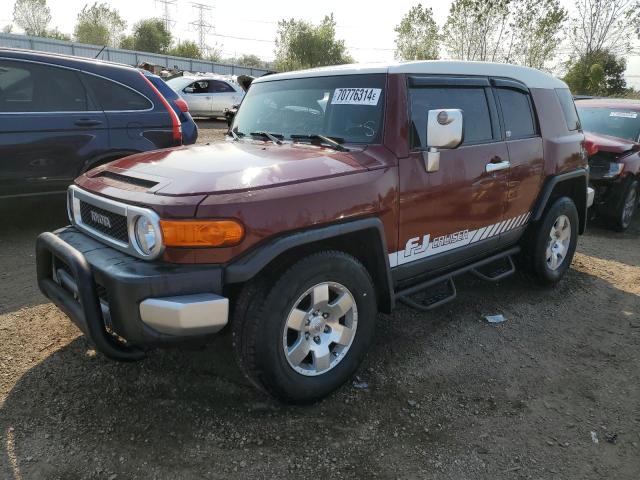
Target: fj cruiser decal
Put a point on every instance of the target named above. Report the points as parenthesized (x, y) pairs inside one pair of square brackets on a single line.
[(417, 248)]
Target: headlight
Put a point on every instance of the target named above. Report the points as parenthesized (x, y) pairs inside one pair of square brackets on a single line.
[(147, 237), (615, 169)]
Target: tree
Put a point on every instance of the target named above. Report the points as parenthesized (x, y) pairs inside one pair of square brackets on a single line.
[(57, 34), (417, 35), (99, 25), (187, 49), (33, 16), (600, 25), (249, 60), (597, 73), (475, 30), (537, 27), (150, 35), (300, 44), (7, 28)]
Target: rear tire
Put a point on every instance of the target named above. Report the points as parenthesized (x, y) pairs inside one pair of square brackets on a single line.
[(627, 205), (302, 335), (553, 241)]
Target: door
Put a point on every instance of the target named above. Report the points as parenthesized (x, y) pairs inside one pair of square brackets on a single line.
[(198, 98), (48, 127), (526, 172), (455, 213), (223, 96)]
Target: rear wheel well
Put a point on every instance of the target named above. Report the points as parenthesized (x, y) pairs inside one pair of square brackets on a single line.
[(101, 160), (365, 245), (575, 189)]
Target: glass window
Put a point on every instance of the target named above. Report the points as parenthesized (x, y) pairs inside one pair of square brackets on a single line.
[(617, 122), (112, 96), (347, 107), (216, 86), (31, 87), (472, 101), (201, 86), (568, 108), (517, 113)]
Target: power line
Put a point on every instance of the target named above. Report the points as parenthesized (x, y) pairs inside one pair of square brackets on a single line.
[(166, 17), (201, 24)]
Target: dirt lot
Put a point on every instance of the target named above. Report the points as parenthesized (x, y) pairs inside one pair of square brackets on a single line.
[(449, 396)]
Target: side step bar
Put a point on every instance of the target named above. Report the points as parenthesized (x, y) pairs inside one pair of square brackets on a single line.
[(440, 298)]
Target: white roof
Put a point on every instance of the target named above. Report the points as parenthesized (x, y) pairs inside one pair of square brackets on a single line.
[(531, 77)]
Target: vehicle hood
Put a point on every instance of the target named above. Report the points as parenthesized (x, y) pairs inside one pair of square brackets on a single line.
[(607, 143), (230, 167)]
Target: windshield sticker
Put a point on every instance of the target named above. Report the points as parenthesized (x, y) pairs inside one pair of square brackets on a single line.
[(624, 114), (356, 96)]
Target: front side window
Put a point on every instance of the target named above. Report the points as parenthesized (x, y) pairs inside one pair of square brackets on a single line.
[(201, 86), (31, 87), (347, 107), (114, 97), (471, 100), (616, 122), (517, 113)]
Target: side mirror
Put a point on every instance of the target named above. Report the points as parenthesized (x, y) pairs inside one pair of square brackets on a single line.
[(188, 90), (444, 130)]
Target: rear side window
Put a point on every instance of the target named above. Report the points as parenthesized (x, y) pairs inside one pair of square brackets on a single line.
[(517, 113), (162, 87), (568, 108), (472, 102), (32, 87), (112, 96), (216, 86)]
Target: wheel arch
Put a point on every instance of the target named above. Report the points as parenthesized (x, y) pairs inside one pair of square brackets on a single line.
[(570, 184), (363, 238), (105, 158)]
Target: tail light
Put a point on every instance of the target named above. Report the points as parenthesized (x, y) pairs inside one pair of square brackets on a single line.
[(175, 121), (181, 104)]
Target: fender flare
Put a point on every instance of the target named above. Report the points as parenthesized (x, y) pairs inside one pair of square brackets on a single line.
[(549, 187), (251, 264)]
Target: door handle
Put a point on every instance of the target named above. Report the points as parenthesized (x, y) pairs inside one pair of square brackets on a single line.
[(87, 122), (495, 166)]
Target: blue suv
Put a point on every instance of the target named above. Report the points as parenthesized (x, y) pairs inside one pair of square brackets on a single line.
[(62, 115)]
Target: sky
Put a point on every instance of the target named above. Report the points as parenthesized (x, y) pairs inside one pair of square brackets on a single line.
[(250, 26)]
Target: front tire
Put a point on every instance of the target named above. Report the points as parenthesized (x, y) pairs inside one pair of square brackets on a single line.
[(303, 335), (553, 242)]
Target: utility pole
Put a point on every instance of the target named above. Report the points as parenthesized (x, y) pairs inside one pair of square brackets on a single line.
[(166, 17), (201, 24)]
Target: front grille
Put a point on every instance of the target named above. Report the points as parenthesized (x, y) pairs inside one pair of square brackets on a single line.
[(105, 222)]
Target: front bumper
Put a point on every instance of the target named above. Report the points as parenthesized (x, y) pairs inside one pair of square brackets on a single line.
[(125, 305)]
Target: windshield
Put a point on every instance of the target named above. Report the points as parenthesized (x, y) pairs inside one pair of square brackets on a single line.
[(619, 122), (346, 108)]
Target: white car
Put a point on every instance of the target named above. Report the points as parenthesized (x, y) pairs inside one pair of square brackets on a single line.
[(207, 95)]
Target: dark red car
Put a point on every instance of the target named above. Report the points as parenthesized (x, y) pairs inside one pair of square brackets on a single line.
[(612, 130), (338, 193)]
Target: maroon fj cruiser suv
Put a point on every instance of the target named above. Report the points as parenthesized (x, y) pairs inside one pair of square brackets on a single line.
[(339, 192)]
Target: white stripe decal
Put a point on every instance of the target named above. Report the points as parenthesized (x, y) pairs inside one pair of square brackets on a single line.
[(425, 246)]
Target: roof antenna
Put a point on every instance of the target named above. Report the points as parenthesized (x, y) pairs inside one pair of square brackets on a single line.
[(98, 54)]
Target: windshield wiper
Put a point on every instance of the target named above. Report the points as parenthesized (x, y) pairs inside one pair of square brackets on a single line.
[(332, 142), (271, 136), (234, 135)]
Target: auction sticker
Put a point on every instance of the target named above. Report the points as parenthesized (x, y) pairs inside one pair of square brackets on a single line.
[(624, 114), (356, 96)]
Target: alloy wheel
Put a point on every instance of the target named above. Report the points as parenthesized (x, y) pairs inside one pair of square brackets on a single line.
[(559, 240), (320, 328)]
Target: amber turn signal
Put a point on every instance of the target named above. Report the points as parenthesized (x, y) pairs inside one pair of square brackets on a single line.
[(201, 233)]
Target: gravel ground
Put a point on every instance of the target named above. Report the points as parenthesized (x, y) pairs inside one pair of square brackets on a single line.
[(448, 396)]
